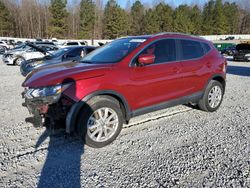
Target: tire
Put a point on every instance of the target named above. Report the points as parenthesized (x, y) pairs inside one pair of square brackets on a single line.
[(90, 114), (216, 90), (19, 60)]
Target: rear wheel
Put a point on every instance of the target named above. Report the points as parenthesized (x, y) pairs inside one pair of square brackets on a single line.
[(212, 97), (19, 60), (100, 121)]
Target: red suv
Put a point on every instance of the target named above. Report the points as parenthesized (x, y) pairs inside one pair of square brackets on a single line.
[(126, 78)]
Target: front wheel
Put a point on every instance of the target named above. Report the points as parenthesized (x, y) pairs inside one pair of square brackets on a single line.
[(212, 97), (100, 121)]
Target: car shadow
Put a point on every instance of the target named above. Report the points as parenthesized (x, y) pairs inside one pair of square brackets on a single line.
[(238, 70), (62, 166)]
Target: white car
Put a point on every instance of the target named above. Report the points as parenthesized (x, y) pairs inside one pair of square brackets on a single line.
[(74, 43), (29, 51), (4, 45)]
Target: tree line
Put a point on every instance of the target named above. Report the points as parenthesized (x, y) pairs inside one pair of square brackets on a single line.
[(91, 19)]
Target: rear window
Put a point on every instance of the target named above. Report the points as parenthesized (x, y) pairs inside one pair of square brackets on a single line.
[(72, 43), (242, 47), (75, 52), (88, 50), (191, 49)]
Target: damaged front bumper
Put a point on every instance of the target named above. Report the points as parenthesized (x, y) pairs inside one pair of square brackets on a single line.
[(39, 108), (47, 103)]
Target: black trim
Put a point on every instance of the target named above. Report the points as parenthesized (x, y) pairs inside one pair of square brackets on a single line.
[(183, 100), (216, 76), (114, 93), (75, 109)]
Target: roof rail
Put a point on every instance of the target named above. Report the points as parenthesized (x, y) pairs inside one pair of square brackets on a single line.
[(178, 33)]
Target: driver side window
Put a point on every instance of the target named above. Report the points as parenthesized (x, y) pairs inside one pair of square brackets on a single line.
[(163, 50)]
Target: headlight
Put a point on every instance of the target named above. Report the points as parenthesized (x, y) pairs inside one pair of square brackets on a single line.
[(247, 55), (46, 91)]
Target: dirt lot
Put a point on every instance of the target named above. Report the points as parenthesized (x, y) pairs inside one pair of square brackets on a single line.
[(180, 146)]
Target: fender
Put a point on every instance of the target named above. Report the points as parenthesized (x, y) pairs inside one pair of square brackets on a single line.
[(213, 77), (71, 117)]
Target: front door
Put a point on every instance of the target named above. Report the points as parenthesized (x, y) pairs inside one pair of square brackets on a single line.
[(160, 81)]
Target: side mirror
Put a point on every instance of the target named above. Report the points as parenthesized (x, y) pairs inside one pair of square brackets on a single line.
[(146, 59)]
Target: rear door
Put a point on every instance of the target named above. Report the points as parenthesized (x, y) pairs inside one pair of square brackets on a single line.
[(194, 64), (158, 82)]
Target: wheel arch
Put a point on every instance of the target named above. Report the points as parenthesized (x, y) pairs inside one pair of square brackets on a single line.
[(72, 115), (221, 79), (17, 57)]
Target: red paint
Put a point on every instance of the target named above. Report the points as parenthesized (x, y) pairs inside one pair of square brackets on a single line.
[(140, 86)]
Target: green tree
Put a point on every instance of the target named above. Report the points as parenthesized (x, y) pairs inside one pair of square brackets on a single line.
[(164, 17), (182, 19), (58, 26), (220, 22), (208, 18), (196, 18), (5, 24), (115, 21), (137, 13), (150, 22), (232, 14), (87, 19)]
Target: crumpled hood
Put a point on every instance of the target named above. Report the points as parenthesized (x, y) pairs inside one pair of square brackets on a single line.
[(56, 74)]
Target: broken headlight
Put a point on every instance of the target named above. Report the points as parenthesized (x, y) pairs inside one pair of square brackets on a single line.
[(45, 91)]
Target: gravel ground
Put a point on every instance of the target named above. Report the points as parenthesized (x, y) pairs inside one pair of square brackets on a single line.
[(176, 147)]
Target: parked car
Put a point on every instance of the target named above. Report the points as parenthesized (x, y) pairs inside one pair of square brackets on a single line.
[(2, 50), (221, 46), (65, 54), (242, 52), (26, 52), (75, 43), (229, 51), (4, 46), (126, 78), (230, 38)]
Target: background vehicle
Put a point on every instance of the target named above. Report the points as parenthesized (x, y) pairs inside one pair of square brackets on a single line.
[(126, 78), (70, 53), (230, 38), (4, 46), (221, 46), (2, 50), (74, 43), (242, 52), (26, 52), (230, 50)]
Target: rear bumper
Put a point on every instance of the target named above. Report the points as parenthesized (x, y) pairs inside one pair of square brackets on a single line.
[(242, 58)]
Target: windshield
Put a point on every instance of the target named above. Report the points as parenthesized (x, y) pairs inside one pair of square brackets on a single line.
[(21, 46), (114, 51), (60, 52)]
